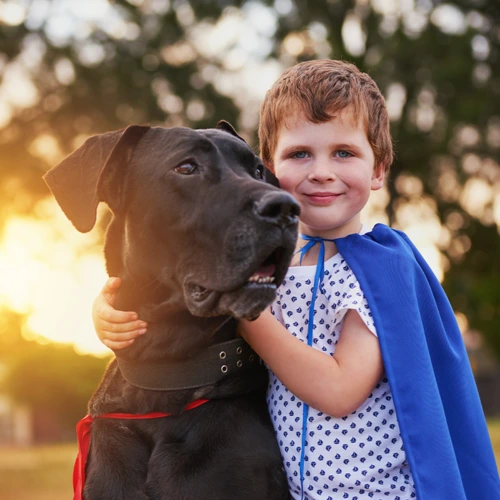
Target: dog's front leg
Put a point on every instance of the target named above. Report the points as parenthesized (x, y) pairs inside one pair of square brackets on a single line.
[(117, 465)]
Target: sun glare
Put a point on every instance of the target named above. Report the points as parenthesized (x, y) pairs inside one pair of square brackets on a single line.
[(51, 273)]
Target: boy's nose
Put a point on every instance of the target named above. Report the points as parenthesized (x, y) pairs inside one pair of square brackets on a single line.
[(321, 172)]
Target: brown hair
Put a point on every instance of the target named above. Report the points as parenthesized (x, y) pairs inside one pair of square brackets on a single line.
[(317, 91)]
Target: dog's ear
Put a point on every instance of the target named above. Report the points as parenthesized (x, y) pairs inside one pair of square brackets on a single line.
[(92, 174), (270, 178), (227, 127)]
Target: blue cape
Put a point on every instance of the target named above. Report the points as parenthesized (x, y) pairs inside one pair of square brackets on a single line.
[(442, 423)]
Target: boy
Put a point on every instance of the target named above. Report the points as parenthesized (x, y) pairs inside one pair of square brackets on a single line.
[(372, 395)]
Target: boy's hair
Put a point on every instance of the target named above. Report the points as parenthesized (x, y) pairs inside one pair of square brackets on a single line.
[(318, 91)]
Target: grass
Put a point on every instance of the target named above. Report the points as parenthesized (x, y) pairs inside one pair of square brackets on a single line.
[(494, 428), (38, 473), (45, 472)]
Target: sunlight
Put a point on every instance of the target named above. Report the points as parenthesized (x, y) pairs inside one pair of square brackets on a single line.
[(12, 14), (52, 273), (419, 220)]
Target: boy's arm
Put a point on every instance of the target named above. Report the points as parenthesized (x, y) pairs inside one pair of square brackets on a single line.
[(335, 385), (115, 329)]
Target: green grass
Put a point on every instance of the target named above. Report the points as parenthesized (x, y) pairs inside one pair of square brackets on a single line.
[(38, 473), (45, 472), (494, 428)]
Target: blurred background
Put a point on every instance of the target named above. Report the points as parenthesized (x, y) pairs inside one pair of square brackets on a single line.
[(74, 68)]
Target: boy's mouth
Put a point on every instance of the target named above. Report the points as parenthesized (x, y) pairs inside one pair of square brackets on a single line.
[(322, 198)]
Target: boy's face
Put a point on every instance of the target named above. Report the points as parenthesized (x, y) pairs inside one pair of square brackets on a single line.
[(329, 169)]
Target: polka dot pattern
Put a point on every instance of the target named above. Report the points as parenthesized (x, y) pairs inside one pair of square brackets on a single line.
[(359, 456)]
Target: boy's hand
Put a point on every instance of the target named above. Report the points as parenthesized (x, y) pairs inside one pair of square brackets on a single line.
[(115, 329)]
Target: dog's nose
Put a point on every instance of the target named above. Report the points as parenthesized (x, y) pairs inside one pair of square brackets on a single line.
[(278, 208)]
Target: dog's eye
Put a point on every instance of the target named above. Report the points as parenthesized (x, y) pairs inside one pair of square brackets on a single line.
[(259, 172), (186, 169)]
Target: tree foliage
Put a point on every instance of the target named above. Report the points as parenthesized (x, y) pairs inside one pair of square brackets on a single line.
[(164, 63), (50, 378)]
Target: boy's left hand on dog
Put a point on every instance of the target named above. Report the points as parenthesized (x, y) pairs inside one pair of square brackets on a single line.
[(115, 329)]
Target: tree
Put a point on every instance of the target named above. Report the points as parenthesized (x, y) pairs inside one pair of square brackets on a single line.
[(51, 378), (164, 63)]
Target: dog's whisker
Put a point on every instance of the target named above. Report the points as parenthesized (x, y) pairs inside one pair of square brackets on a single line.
[(150, 283)]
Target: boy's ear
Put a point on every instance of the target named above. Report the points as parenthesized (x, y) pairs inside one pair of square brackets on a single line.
[(378, 177)]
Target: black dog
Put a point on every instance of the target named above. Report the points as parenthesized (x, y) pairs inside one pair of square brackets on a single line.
[(199, 238)]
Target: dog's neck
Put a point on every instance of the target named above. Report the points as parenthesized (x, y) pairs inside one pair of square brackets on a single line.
[(173, 332), (175, 337)]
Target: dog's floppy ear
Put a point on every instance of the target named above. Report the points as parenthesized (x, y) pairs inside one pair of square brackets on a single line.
[(227, 127), (270, 178), (91, 174)]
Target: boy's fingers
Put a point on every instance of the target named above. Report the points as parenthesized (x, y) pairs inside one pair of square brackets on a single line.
[(122, 337), (112, 285), (117, 345), (121, 328), (123, 317), (110, 289)]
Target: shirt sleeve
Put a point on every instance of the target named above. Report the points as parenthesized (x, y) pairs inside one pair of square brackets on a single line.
[(352, 297)]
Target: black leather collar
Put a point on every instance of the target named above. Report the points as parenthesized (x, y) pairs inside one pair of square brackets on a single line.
[(212, 365)]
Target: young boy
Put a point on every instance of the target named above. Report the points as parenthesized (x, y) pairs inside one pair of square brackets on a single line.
[(371, 395)]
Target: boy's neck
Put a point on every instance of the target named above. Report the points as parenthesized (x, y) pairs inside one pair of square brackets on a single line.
[(311, 257)]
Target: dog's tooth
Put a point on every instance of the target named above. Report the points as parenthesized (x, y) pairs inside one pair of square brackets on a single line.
[(260, 279)]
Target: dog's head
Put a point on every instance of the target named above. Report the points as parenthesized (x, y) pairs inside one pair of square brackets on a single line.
[(194, 212)]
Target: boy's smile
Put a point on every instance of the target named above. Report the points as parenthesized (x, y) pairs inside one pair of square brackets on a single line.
[(329, 168)]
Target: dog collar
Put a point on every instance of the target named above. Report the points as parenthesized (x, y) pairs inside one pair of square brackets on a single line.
[(83, 435), (212, 365)]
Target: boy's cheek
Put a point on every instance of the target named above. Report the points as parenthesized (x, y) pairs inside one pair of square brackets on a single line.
[(285, 181)]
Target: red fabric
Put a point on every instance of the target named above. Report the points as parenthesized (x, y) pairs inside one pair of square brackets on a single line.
[(83, 436)]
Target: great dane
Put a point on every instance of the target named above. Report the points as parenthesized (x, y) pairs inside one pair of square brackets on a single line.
[(200, 238)]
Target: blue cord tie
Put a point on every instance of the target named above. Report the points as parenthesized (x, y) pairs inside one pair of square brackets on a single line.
[(318, 279)]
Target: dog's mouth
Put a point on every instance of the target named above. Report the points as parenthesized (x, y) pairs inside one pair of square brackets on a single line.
[(265, 278), (266, 273)]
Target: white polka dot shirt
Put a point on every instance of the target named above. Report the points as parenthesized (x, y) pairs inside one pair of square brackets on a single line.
[(361, 455)]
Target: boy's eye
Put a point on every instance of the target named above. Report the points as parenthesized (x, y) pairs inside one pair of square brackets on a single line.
[(299, 155), (343, 154)]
